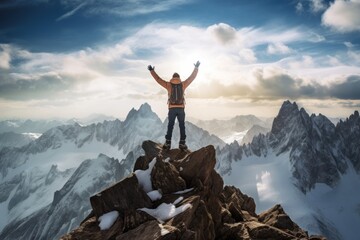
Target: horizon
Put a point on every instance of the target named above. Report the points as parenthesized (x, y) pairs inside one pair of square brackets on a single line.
[(71, 59), (163, 118)]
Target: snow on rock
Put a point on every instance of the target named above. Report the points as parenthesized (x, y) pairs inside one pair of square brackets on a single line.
[(144, 177), (184, 191), (108, 219), (154, 195), (166, 211)]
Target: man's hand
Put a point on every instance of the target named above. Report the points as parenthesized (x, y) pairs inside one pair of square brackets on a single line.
[(197, 64), (150, 68)]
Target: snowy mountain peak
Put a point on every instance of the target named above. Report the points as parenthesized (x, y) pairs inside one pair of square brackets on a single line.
[(144, 111), (287, 113), (349, 131), (145, 107)]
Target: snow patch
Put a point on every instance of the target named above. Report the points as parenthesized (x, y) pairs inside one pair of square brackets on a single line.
[(184, 191), (144, 177), (178, 200), (154, 195), (166, 211), (33, 136), (108, 219)]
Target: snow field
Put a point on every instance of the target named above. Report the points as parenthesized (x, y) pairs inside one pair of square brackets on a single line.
[(269, 181)]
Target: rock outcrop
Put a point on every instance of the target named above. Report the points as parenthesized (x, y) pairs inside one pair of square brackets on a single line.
[(192, 203)]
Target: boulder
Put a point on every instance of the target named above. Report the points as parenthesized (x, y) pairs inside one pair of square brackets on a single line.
[(166, 177), (276, 217), (124, 195), (151, 230)]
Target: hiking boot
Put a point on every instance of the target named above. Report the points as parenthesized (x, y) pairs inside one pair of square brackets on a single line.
[(182, 145), (167, 145)]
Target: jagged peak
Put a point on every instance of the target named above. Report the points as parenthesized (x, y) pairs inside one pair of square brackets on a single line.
[(145, 107), (355, 115), (144, 111), (288, 105)]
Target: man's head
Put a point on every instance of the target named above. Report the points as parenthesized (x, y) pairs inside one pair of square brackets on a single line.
[(176, 75)]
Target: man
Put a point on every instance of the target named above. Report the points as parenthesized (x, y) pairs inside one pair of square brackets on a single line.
[(175, 88)]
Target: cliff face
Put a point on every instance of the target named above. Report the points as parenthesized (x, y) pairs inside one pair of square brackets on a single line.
[(179, 195)]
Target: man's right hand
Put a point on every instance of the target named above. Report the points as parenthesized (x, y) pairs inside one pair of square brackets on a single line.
[(150, 68)]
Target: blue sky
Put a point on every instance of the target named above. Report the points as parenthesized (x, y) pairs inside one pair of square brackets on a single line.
[(72, 58)]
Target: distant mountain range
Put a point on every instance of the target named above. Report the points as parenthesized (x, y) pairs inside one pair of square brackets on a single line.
[(300, 161), (233, 129), (43, 182)]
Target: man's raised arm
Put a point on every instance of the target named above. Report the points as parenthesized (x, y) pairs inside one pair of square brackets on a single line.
[(156, 77), (193, 75)]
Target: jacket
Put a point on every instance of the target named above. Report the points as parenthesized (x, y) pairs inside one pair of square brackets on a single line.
[(175, 80)]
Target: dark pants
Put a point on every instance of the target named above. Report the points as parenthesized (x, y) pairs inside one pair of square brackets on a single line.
[(180, 114)]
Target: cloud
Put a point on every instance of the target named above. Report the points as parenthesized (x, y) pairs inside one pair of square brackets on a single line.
[(44, 87), (228, 56), (51, 75), (4, 56), (276, 84), (223, 32), (72, 12), (354, 56), (247, 55), (317, 5), (343, 16), (299, 7), (348, 89), (278, 48), (124, 8), (348, 44)]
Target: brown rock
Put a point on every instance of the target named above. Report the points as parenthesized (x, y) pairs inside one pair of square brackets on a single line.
[(236, 231), (142, 163), (124, 195), (235, 201), (259, 230), (183, 220), (202, 223), (153, 150), (90, 230), (133, 218), (277, 217), (166, 177), (216, 183), (151, 231), (213, 205), (317, 237), (197, 165)]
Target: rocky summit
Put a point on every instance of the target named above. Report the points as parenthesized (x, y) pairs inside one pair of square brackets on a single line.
[(178, 195)]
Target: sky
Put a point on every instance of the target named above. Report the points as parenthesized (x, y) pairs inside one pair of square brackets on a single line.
[(74, 58)]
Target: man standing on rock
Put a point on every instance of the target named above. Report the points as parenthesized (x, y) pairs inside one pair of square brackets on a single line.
[(175, 88)]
